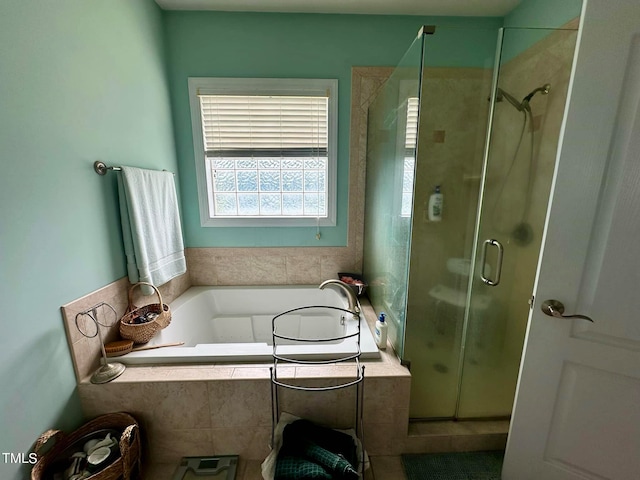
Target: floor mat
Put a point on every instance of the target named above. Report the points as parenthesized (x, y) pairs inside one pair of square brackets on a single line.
[(454, 466)]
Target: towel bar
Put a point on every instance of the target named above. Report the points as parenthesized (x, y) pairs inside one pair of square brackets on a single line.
[(101, 168)]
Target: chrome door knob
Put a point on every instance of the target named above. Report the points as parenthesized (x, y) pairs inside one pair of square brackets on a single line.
[(554, 308)]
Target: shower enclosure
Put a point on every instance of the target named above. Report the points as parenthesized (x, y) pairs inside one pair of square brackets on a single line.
[(485, 130)]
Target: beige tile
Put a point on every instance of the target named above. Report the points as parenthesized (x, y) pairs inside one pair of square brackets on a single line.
[(240, 403), (387, 467), (333, 408), (251, 270), (175, 287), (262, 372), (86, 351), (428, 444), (472, 443), (384, 439), (196, 372), (249, 442), (112, 397), (177, 405), (386, 400), (169, 446), (303, 269), (489, 426), (344, 372), (174, 405), (331, 265), (175, 373), (201, 266), (251, 470), (465, 427), (159, 471), (86, 357)]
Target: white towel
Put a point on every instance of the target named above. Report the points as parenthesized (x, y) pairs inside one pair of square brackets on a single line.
[(151, 228)]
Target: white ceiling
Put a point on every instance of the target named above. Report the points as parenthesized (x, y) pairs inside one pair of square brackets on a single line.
[(378, 7)]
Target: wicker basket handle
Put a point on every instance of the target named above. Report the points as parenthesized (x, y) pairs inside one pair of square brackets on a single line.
[(129, 436), (132, 307), (44, 439)]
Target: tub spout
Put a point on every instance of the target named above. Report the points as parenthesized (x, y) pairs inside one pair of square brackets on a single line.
[(354, 305)]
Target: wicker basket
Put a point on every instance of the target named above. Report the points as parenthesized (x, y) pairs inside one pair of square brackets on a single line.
[(143, 332), (127, 464)]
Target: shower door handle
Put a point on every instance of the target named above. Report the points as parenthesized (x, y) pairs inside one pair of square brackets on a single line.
[(498, 245)]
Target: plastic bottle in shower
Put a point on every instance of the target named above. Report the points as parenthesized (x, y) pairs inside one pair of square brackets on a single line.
[(435, 205), (380, 333)]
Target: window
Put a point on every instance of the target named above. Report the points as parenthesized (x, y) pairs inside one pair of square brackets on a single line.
[(265, 151), (410, 145)]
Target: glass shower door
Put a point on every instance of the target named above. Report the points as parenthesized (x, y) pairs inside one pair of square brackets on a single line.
[(391, 149), (452, 131), (528, 107)]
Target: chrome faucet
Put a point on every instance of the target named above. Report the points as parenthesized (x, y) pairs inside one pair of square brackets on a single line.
[(354, 305)]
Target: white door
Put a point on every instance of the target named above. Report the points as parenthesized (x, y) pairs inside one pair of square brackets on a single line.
[(577, 409)]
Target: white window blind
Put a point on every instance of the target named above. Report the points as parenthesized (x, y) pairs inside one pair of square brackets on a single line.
[(410, 145), (267, 151), (264, 126), (411, 134)]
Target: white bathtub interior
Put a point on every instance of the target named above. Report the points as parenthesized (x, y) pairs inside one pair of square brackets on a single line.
[(225, 324)]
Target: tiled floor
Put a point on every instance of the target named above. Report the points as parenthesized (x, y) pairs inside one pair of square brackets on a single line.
[(382, 468)]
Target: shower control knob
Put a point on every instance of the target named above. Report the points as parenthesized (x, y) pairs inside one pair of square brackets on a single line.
[(554, 308)]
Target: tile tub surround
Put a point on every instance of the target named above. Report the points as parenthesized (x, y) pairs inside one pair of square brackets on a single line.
[(85, 352), (226, 408)]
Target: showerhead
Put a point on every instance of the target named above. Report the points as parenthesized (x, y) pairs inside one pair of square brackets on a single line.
[(524, 105), (544, 89)]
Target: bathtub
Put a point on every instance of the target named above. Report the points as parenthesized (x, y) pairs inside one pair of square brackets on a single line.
[(234, 324)]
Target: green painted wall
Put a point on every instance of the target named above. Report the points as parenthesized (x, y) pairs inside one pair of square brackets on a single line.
[(543, 13), (297, 45), (532, 20), (79, 80)]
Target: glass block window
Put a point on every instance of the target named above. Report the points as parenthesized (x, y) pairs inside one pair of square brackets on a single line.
[(267, 149)]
